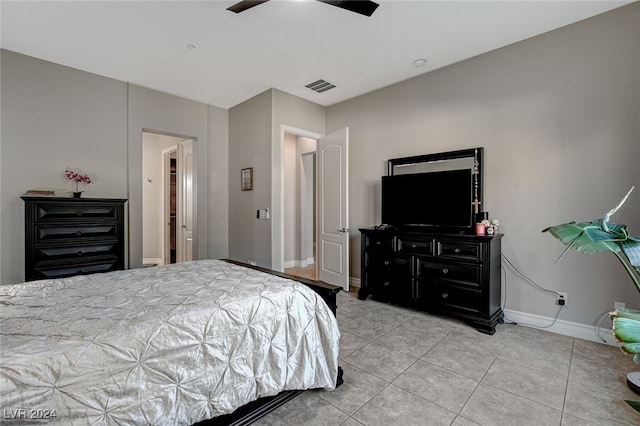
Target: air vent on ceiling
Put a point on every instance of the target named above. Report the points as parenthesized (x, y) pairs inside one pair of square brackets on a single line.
[(320, 86)]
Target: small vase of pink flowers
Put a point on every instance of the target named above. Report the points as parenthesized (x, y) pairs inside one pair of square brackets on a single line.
[(77, 178)]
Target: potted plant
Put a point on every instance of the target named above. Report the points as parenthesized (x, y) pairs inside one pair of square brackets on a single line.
[(601, 235), (77, 178)]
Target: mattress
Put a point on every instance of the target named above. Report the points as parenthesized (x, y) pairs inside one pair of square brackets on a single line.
[(165, 345)]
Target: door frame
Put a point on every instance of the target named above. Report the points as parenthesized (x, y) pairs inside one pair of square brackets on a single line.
[(308, 205), (166, 227), (184, 249), (277, 192), (135, 207)]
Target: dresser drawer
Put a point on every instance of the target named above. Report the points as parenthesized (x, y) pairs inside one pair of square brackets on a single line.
[(449, 297), (460, 273), (56, 233), (76, 252), (416, 246), (459, 250), (390, 286), (71, 236), (388, 263), (78, 269), (380, 241), (74, 211)]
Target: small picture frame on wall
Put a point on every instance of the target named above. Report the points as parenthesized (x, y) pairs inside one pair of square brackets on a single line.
[(246, 182)]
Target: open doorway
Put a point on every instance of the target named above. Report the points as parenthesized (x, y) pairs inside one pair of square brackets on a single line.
[(332, 204), (300, 206), (168, 199)]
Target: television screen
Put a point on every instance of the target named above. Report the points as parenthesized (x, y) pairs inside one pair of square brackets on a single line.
[(437, 199)]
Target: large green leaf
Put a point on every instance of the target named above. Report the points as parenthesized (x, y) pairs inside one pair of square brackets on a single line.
[(591, 238), (631, 248), (634, 404), (626, 313), (626, 328), (588, 237)]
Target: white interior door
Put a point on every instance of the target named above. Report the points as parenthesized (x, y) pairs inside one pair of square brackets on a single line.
[(185, 195), (333, 208)]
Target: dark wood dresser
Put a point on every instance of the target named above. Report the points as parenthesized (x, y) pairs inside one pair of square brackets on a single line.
[(72, 236), (457, 275)]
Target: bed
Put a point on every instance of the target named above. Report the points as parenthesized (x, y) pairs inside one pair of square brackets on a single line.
[(174, 345)]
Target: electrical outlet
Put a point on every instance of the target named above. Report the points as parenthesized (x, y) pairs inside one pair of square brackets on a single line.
[(619, 305), (561, 299)]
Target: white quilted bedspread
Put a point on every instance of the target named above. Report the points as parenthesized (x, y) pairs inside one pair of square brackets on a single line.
[(168, 345)]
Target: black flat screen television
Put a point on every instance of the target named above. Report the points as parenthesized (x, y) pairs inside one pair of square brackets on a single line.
[(440, 200)]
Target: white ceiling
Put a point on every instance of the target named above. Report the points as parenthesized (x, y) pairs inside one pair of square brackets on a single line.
[(279, 44)]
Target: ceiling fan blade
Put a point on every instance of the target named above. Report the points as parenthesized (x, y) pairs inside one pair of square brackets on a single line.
[(244, 5), (362, 7)]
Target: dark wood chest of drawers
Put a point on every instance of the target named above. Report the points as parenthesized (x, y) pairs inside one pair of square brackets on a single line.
[(72, 236), (458, 275)]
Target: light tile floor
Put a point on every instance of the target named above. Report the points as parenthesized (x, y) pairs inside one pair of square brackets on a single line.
[(404, 367)]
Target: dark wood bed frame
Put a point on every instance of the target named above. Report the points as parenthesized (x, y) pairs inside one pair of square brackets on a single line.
[(254, 410)]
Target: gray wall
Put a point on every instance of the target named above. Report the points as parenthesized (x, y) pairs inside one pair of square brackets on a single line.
[(1, 209), (219, 183), (558, 116), (250, 146), (158, 112), (56, 117), (256, 139)]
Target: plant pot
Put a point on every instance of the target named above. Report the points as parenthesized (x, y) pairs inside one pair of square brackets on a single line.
[(633, 381), (77, 194)]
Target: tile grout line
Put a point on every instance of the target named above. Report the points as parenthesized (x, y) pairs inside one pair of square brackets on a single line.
[(566, 385), (481, 379)]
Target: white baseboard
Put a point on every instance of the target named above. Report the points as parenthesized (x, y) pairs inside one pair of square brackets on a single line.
[(299, 263), (152, 261), (354, 282), (566, 328)]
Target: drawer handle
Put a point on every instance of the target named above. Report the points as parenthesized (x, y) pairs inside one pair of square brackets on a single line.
[(378, 242), (445, 271), (457, 250), (78, 233), (79, 213), (445, 295), (386, 263), (413, 246), (79, 253), (386, 283)]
